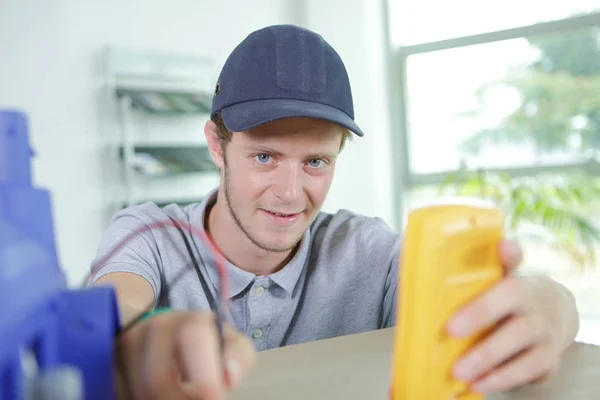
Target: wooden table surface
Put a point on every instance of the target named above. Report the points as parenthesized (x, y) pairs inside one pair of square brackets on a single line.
[(357, 367)]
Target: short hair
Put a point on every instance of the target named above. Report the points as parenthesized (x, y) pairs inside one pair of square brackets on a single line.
[(224, 134)]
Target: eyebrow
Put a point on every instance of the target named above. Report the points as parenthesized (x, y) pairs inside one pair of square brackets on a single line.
[(258, 149), (329, 156)]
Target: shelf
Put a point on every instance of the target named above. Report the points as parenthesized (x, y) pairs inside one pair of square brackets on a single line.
[(171, 142), (168, 102), (164, 161), (181, 189), (164, 202), (162, 96)]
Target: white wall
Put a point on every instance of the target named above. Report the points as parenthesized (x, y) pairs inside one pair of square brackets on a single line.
[(50, 67), (355, 28)]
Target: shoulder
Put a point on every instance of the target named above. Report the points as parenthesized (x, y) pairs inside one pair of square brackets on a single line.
[(149, 213), (346, 228), (136, 230), (148, 222)]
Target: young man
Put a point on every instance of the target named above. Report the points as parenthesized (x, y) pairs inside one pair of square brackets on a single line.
[(282, 112)]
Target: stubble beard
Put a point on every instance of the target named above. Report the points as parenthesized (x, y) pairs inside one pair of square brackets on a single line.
[(238, 222)]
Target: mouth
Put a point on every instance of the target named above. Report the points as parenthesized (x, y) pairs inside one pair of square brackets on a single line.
[(277, 214), (283, 219)]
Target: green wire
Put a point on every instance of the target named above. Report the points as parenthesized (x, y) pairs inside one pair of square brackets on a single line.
[(160, 310)]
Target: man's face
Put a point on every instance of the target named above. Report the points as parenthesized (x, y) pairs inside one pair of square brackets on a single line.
[(276, 178)]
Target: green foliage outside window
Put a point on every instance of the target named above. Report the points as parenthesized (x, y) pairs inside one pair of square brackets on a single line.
[(559, 110)]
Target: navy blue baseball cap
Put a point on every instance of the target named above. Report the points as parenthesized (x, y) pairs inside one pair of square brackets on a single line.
[(283, 71)]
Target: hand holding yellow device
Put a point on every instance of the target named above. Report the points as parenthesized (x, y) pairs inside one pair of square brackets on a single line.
[(450, 256)]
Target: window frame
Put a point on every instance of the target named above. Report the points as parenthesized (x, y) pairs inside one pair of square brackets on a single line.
[(405, 179)]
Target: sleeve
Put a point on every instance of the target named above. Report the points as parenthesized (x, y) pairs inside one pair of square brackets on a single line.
[(383, 247), (390, 299), (134, 246)]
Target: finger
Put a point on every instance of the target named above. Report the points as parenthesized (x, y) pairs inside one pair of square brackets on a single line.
[(240, 356), (199, 350), (160, 373), (124, 385), (511, 338), (511, 254), (523, 369), (130, 346), (503, 299)]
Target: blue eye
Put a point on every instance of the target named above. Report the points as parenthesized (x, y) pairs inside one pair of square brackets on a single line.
[(315, 163), (263, 158)]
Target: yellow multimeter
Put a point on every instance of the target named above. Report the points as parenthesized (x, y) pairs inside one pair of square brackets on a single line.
[(450, 256)]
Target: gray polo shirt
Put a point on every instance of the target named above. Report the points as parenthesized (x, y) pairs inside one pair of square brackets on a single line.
[(342, 280)]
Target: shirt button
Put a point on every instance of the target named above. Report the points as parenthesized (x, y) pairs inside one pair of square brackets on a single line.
[(257, 334), (259, 291)]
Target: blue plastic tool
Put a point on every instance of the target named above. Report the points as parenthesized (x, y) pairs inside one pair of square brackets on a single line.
[(55, 342)]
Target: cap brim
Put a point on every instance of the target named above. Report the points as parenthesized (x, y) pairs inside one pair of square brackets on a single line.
[(244, 116)]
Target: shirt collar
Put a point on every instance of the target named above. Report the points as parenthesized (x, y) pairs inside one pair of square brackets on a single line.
[(239, 279), (288, 276)]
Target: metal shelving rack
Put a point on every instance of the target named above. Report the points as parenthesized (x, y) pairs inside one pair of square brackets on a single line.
[(166, 88)]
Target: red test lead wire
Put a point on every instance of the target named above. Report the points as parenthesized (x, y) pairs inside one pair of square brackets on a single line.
[(222, 301), (202, 235)]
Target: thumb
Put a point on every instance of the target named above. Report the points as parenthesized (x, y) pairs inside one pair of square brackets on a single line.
[(511, 254)]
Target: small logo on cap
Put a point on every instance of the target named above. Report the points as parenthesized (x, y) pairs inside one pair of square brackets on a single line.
[(217, 89)]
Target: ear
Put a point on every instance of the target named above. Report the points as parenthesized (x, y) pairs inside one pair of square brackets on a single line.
[(210, 131)]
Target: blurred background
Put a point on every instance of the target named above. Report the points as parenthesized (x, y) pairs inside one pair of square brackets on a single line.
[(456, 98)]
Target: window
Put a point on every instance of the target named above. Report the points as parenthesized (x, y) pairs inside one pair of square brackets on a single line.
[(414, 22), (499, 104), (514, 91)]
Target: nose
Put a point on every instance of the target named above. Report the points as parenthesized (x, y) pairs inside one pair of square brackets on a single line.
[(287, 184)]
